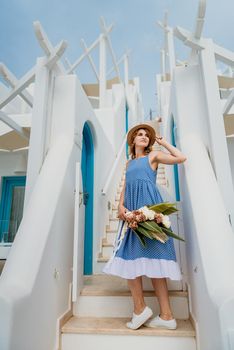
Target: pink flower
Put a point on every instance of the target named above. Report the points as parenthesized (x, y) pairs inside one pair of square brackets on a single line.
[(133, 225), (140, 218), (158, 218)]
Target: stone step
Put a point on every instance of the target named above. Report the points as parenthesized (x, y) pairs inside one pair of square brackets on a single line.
[(102, 259), (109, 296), (104, 333), (107, 249), (122, 305), (162, 182), (113, 224), (100, 281), (110, 229), (113, 219), (110, 236)]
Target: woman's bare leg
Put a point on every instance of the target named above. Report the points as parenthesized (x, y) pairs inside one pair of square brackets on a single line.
[(161, 291), (135, 286)]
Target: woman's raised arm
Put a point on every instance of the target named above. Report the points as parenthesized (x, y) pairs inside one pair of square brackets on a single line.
[(174, 157)]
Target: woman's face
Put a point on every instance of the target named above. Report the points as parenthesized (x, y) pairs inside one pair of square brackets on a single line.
[(142, 138)]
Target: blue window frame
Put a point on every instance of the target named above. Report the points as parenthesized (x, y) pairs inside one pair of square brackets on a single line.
[(8, 222)]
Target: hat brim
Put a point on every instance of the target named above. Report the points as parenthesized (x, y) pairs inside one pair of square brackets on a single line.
[(151, 131)]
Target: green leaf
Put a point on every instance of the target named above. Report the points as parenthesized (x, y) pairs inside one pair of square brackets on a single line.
[(141, 238), (172, 234), (151, 225), (144, 232), (166, 208), (160, 236)]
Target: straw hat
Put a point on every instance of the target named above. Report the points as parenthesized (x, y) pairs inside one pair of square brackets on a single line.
[(149, 128)]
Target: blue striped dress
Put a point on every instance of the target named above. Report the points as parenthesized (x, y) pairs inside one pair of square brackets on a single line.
[(156, 260)]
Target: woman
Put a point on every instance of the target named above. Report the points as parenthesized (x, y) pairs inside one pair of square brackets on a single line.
[(157, 260)]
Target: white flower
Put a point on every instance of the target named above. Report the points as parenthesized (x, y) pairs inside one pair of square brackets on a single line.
[(147, 212), (166, 221)]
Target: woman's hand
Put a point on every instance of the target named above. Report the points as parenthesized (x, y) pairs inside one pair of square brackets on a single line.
[(121, 212), (160, 140)]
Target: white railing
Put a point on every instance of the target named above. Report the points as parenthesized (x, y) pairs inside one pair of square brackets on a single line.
[(77, 271), (114, 167)]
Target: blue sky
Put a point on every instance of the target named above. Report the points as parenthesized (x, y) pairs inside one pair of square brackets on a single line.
[(135, 28)]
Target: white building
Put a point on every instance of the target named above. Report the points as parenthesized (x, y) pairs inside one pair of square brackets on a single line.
[(62, 159)]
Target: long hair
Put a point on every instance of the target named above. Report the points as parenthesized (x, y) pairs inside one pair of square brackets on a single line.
[(132, 150)]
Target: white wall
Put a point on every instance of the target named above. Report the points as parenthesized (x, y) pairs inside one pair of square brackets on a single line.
[(9, 161), (230, 143), (209, 239), (36, 280)]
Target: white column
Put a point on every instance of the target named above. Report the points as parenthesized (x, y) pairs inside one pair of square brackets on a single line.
[(126, 70), (158, 89), (163, 65), (171, 51), (38, 129), (102, 72), (219, 150)]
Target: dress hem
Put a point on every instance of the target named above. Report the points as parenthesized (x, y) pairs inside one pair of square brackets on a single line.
[(152, 268)]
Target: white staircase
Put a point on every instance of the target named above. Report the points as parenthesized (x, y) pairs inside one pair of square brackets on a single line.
[(105, 305)]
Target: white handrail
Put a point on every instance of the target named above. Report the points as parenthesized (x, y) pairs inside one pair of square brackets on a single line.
[(113, 168), (76, 235)]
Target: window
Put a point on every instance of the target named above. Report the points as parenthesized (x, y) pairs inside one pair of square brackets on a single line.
[(11, 206)]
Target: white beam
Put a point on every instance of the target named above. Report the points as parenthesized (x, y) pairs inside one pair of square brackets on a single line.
[(200, 19), (45, 43), (102, 72), (10, 78), (104, 30), (126, 69), (27, 79), (68, 63), (122, 58), (84, 46), (188, 38), (13, 125), (56, 54), (82, 57), (168, 44), (224, 55), (38, 126), (229, 103)]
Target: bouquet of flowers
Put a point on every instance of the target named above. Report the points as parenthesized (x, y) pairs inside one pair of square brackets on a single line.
[(152, 222)]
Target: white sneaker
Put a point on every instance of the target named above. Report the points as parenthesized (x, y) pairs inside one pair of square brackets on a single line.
[(138, 320), (159, 322)]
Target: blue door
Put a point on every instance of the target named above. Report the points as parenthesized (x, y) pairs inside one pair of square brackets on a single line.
[(87, 168), (11, 206)]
